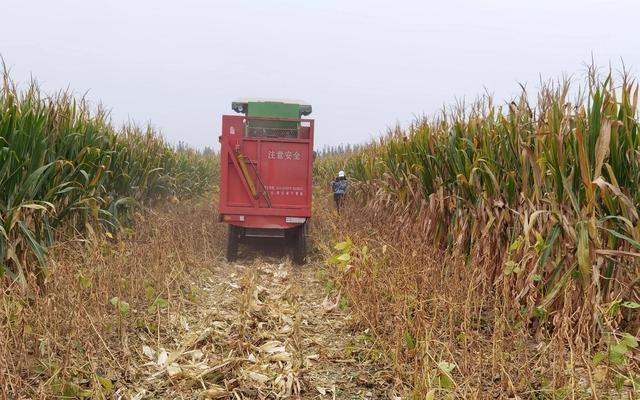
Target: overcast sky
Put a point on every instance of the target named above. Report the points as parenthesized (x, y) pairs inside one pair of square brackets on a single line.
[(364, 65)]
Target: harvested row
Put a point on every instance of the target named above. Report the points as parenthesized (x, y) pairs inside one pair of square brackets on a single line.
[(64, 167)]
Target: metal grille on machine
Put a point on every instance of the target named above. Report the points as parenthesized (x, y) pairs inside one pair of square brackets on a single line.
[(256, 131)]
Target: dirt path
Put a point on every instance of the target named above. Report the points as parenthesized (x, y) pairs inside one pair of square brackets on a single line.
[(263, 329)]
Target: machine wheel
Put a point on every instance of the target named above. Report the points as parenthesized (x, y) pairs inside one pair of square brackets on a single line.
[(300, 244), (232, 243)]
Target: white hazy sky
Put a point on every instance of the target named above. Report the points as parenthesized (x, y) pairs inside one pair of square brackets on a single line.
[(364, 65)]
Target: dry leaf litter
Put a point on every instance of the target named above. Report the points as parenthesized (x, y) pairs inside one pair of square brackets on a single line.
[(267, 330)]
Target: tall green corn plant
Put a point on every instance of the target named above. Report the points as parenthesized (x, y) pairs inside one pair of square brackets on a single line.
[(560, 178), (63, 166)]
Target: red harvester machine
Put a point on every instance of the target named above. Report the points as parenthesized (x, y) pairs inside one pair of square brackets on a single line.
[(266, 161)]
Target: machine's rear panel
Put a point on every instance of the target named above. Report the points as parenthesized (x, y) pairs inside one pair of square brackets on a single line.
[(279, 169)]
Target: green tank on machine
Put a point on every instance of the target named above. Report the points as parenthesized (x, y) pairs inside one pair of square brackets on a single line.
[(255, 109)]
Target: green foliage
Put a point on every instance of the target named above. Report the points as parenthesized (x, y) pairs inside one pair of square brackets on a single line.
[(618, 351), (343, 303), (444, 378), (343, 254), (83, 280), (64, 166), (550, 187), (409, 341), (121, 306), (106, 383), (158, 304)]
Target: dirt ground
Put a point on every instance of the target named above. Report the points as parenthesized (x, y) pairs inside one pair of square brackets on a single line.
[(162, 315), (262, 329)]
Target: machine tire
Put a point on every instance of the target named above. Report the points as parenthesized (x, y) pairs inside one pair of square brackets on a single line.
[(300, 244), (232, 243)]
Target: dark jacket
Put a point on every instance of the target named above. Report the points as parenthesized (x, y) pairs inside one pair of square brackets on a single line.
[(339, 186)]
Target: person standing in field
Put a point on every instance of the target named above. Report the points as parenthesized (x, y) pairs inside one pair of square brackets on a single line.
[(339, 188)]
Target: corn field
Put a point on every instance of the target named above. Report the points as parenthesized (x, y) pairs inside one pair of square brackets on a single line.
[(65, 169), (543, 199)]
